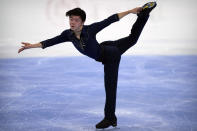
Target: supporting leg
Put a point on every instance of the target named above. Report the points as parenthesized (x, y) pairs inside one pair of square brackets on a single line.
[(111, 65)]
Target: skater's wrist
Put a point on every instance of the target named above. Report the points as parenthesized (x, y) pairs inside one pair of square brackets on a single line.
[(36, 45), (123, 14), (135, 10)]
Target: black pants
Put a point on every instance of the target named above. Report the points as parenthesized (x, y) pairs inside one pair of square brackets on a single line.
[(112, 51)]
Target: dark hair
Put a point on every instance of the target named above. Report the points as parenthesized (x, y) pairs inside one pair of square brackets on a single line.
[(77, 12)]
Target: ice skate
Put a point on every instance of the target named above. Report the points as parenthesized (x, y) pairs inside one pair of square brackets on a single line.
[(147, 8), (105, 123)]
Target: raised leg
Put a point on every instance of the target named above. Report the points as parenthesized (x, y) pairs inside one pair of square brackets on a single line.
[(125, 43)]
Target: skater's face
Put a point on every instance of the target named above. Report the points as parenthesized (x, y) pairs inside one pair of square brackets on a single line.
[(75, 23)]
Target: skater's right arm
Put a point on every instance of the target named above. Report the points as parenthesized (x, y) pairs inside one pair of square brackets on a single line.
[(63, 37)]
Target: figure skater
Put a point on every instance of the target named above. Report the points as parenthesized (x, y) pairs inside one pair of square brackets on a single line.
[(109, 53)]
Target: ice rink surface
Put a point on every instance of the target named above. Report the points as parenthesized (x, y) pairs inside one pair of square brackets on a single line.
[(50, 91), (155, 93)]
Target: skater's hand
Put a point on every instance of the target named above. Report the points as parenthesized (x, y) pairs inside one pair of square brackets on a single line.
[(25, 45), (136, 10)]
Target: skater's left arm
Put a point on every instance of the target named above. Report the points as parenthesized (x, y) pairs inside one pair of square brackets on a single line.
[(133, 11), (98, 26)]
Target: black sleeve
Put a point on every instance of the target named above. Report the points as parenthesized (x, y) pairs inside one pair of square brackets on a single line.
[(63, 37), (98, 26)]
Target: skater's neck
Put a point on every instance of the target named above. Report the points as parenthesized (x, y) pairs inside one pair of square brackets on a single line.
[(78, 32)]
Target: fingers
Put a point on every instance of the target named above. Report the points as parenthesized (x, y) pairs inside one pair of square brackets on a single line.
[(24, 46), (21, 49), (140, 9), (25, 43)]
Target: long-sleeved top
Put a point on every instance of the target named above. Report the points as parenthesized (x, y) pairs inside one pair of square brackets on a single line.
[(87, 44)]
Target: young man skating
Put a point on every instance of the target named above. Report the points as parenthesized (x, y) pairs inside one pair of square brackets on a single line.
[(109, 53)]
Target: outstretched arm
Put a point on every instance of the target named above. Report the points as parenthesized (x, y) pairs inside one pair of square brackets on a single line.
[(27, 45), (63, 37), (134, 11)]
